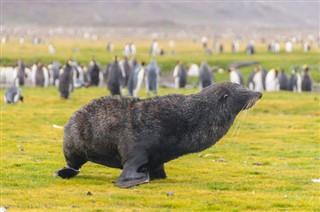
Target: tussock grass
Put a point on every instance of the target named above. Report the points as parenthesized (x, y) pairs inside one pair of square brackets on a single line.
[(281, 133)]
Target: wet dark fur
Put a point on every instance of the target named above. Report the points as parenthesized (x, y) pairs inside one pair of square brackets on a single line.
[(139, 136)]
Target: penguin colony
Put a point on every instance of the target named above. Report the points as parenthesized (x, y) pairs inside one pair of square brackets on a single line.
[(125, 77)]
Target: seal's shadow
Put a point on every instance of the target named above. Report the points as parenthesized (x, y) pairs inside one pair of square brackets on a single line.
[(99, 177)]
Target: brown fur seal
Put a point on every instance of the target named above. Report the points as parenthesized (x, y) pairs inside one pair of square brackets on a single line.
[(139, 136)]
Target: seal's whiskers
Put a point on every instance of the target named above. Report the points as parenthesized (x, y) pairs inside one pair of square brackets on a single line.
[(241, 121), (242, 117)]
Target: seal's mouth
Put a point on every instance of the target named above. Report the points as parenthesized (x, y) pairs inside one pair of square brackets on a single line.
[(252, 101)]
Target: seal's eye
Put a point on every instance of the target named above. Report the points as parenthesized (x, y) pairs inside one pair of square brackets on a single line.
[(224, 96)]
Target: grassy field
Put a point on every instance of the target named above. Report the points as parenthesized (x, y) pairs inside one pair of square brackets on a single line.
[(272, 158)]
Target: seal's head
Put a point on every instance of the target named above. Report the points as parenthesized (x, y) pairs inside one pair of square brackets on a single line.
[(230, 98)]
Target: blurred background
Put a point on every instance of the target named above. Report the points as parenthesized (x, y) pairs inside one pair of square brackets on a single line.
[(192, 31)]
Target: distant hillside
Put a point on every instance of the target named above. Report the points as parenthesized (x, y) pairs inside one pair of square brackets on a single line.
[(164, 13)]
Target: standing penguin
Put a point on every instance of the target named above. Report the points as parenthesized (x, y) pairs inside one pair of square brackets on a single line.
[(180, 75), (86, 77), (250, 79), (295, 81), (135, 79), (41, 75), (78, 76), (13, 95), (206, 77), (113, 75), (94, 72), (20, 73), (235, 46), (264, 75), (235, 76), (152, 77), (283, 80), (139, 75), (133, 62), (257, 80), (272, 82), (154, 48), (125, 70), (306, 84), (66, 80), (175, 74), (54, 69), (250, 48), (132, 76)]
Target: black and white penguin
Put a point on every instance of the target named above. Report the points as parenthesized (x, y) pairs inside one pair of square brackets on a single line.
[(54, 69), (152, 77), (306, 83), (113, 75), (235, 76), (13, 95), (272, 82), (20, 73), (295, 81), (94, 72), (132, 78), (180, 75), (139, 73), (136, 79), (66, 80), (255, 80), (41, 75), (264, 75), (250, 48), (283, 80), (250, 79), (125, 70), (206, 77), (86, 77), (154, 48)]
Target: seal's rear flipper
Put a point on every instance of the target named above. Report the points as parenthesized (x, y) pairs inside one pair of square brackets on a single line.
[(127, 183), (66, 172)]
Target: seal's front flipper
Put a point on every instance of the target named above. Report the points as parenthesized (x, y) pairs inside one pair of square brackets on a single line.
[(134, 170), (66, 172), (135, 179)]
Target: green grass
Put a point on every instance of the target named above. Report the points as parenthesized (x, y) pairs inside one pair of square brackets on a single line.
[(281, 132)]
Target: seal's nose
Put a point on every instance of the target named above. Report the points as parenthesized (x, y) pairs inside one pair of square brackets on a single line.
[(259, 95)]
